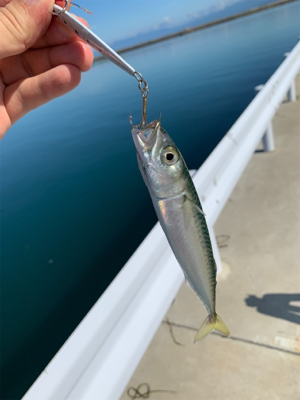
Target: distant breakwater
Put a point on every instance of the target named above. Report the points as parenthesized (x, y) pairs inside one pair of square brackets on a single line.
[(202, 26)]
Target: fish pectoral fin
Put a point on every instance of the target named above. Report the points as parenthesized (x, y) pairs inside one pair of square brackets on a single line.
[(187, 205), (210, 323), (199, 210)]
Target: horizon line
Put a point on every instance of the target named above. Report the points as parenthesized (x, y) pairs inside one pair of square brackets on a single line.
[(188, 30)]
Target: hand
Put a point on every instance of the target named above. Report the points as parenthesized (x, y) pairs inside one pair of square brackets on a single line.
[(40, 58)]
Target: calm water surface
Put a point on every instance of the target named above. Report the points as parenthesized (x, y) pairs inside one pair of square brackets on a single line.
[(74, 207)]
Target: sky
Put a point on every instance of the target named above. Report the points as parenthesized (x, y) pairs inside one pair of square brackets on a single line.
[(115, 20)]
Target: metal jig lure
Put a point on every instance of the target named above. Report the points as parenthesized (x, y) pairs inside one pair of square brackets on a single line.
[(98, 44)]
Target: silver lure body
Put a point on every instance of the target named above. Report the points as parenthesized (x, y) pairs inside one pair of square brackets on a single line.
[(91, 38), (179, 211)]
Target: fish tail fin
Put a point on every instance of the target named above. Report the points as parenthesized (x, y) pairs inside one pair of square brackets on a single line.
[(210, 323)]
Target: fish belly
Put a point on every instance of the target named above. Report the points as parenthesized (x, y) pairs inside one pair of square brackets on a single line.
[(187, 233)]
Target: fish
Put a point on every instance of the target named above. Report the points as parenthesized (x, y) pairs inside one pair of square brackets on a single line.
[(180, 214)]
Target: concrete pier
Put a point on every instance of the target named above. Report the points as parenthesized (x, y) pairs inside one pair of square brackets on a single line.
[(258, 291)]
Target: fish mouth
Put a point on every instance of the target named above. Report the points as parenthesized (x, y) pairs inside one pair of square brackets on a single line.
[(145, 137), (148, 132)]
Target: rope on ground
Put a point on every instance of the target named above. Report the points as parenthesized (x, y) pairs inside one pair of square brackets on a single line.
[(222, 240), (137, 393), (172, 333)]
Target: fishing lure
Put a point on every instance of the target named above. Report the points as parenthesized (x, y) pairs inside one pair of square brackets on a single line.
[(96, 43)]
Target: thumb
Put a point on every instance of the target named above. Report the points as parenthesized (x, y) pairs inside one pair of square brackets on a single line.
[(22, 22)]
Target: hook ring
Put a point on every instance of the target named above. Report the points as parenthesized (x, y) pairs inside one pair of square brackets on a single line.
[(63, 9)]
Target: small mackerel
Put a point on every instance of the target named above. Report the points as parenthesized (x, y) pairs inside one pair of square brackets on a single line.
[(181, 216)]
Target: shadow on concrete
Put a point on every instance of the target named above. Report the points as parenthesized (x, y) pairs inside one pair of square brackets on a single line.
[(277, 305)]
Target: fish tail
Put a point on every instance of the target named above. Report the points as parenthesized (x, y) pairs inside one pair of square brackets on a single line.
[(210, 323)]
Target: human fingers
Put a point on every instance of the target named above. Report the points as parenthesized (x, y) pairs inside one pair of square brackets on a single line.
[(25, 66), (22, 22), (4, 2), (28, 94), (57, 33)]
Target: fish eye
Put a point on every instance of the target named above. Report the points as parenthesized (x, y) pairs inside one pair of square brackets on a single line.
[(170, 155)]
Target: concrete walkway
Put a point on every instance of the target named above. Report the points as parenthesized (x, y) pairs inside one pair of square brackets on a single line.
[(258, 292)]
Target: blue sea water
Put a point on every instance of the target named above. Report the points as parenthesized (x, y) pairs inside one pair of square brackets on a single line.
[(73, 204)]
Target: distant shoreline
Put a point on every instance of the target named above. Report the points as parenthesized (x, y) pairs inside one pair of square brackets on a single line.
[(202, 26)]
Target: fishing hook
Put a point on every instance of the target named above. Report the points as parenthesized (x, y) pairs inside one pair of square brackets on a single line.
[(143, 86)]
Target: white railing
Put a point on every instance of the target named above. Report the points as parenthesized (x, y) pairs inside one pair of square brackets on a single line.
[(101, 355)]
